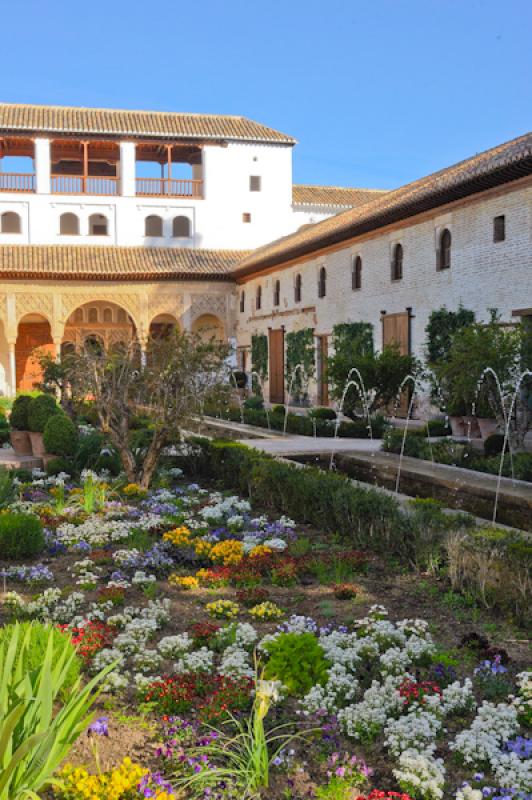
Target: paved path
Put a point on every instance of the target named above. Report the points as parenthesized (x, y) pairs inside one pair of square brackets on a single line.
[(10, 460), (301, 445)]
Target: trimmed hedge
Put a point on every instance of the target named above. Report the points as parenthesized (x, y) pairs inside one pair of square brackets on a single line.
[(304, 424), (19, 413), (40, 410), (21, 536), (60, 436)]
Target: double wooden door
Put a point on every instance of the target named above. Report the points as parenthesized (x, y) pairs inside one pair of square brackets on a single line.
[(396, 330), (276, 372)]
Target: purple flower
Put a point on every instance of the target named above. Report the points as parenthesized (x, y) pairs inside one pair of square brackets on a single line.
[(100, 726)]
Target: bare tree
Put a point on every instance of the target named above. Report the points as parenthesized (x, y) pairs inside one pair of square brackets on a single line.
[(180, 375)]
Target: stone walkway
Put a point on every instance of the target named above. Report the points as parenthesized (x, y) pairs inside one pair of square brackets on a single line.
[(10, 460)]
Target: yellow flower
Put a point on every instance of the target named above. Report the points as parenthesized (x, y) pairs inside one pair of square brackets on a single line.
[(224, 609), (133, 489), (266, 611), (179, 537), (227, 553), (260, 550), (184, 581), (202, 547)]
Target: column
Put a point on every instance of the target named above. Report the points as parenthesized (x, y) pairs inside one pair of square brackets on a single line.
[(42, 165), (12, 369), (127, 169)]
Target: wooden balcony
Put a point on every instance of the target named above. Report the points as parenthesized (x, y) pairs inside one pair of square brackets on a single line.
[(17, 182), (168, 187), (78, 184)]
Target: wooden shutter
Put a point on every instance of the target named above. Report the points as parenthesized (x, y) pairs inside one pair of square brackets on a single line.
[(276, 346)]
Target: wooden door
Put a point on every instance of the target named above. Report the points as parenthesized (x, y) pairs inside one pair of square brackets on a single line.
[(396, 330), (276, 347), (323, 384)]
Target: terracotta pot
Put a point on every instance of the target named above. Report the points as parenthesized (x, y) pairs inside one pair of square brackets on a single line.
[(472, 428), (37, 444), (21, 443), (458, 426), (487, 426)]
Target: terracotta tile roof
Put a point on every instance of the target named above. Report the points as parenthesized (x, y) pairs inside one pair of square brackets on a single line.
[(494, 167), (18, 118), (49, 262), (306, 195)]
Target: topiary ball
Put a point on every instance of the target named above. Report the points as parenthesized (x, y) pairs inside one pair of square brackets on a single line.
[(19, 413), (60, 436), (493, 444), (21, 536), (40, 410)]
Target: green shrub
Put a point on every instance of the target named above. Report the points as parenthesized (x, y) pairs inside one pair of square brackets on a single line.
[(438, 427), (322, 413), (298, 661), (494, 444), (60, 436), (254, 402), (278, 409), (59, 464), (95, 453), (416, 444), (21, 536), (38, 639), (139, 421), (240, 379), (40, 410), (19, 413)]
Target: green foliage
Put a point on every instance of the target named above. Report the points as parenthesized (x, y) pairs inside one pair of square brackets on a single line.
[(40, 410), (97, 454), (441, 327), (39, 636), (300, 349), (298, 661), (255, 402), (21, 535), (259, 354), (60, 436), (38, 730), (7, 488), (240, 378), (307, 425), (438, 427), (494, 444), (59, 464), (278, 409), (381, 372), (416, 444), (19, 412), (322, 413)]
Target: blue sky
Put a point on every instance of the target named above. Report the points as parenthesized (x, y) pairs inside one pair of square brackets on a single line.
[(378, 92)]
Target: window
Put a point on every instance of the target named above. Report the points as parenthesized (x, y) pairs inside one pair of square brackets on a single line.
[(254, 183), (499, 228), (93, 315), (153, 225), (108, 315), (443, 253), (78, 316), (242, 302), (68, 225), (258, 298), (322, 282), (10, 223), (298, 284), (121, 316), (397, 263), (97, 225), (181, 227), (356, 273), (277, 293), (246, 217)]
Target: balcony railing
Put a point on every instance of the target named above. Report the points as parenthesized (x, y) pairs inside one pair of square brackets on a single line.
[(77, 184), (173, 187), (17, 182)]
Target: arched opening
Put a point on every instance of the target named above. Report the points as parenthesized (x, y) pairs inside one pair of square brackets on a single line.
[(276, 293), (93, 314), (68, 224), (10, 222), (322, 282), (258, 298), (397, 263), (105, 320), (34, 337), (209, 327), (98, 225), (153, 225), (443, 260), (162, 326), (242, 302), (108, 315), (298, 286), (356, 274), (181, 227)]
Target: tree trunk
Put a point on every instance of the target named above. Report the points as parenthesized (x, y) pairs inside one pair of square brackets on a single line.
[(151, 458)]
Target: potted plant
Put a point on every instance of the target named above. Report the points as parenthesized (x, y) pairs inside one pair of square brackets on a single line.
[(486, 419), (40, 410), (457, 411), (18, 420)]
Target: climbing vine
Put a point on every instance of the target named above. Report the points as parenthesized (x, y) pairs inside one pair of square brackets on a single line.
[(259, 358), (441, 327), (300, 349)]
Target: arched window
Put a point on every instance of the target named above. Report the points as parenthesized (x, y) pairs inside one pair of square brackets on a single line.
[(10, 223), (443, 254), (181, 227), (242, 302), (68, 225), (93, 314), (397, 263), (322, 282), (153, 225), (121, 316), (276, 293), (108, 315), (78, 315), (356, 274), (258, 298), (298, 283), (97, 225)]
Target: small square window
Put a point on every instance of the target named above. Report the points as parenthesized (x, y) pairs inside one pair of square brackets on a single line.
[(246, 217), (254, 183), (499, 228)]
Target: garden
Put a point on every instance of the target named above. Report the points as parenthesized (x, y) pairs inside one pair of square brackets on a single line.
[(188, 618)]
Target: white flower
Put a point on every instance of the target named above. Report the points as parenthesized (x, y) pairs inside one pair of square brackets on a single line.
[(417, 730), (420, 775), (201, 660), (174, 646)]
